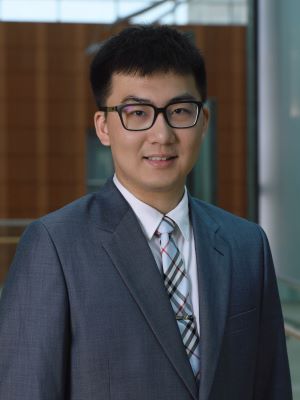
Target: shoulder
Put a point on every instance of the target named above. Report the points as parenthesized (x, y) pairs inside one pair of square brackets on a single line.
[(230, 226), (75, 211), (91, 208), (103, 209), (219, 215), (246, 240)]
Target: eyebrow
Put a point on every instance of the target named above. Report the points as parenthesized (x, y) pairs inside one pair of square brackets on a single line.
[(135, 99), (182, 97)]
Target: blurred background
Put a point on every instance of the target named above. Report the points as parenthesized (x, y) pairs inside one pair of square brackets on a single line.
[(49, 154)]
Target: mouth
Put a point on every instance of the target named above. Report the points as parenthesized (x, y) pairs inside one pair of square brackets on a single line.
[(160, 158), (160, 162)]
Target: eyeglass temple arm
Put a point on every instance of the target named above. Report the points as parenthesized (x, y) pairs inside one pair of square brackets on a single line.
[(108, 109)]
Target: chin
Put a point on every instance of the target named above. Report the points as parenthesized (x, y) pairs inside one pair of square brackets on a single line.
[(162, 186)]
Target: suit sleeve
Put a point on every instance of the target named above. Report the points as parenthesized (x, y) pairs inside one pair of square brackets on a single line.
[(34, 322), (272, 370)]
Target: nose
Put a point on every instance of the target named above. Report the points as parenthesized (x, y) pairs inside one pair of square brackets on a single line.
[(161, 132)]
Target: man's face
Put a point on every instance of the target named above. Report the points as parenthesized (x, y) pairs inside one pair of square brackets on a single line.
[(156, 160)]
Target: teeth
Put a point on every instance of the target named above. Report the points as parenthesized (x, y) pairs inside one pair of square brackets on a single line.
[(158, 158)]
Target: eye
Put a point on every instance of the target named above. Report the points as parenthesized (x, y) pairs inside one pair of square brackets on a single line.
[(181, 110), (138, 113)]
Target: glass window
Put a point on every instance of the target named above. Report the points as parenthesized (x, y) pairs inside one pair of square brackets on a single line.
[(108, 11)]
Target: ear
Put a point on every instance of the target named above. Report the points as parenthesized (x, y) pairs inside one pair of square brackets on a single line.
[(205, 121), (101, 127)]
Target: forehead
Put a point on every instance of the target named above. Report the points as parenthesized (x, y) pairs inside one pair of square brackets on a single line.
[(157, 88)]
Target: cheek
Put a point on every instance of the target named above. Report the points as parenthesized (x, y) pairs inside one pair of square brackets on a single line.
[(125, 149), (192, 149)]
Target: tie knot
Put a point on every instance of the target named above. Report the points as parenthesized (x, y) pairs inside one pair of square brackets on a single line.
[(167, 225)]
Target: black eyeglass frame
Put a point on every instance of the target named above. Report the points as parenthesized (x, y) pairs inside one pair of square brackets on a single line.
[(157, 110)]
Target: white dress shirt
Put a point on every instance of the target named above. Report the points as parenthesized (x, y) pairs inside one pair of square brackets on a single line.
[(149, 219)]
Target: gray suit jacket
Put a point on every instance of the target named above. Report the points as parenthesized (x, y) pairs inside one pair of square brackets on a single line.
[(84, 313)]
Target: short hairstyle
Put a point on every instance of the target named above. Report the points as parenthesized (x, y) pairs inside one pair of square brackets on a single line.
[(145, 50)]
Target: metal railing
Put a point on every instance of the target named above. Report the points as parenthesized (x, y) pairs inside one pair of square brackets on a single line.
[(9, 240), (291, 282), (12, 223), (290, 329)]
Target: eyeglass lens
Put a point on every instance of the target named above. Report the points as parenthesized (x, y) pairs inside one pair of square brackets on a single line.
[(141, 116)]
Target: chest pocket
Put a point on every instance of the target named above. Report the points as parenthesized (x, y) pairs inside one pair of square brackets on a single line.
[(241, 321)]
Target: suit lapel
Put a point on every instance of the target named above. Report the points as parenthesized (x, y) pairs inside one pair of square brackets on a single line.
[(214, 283), (130, 253)]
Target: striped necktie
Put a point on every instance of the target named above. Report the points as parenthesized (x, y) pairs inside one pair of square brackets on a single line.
[(177, 285)]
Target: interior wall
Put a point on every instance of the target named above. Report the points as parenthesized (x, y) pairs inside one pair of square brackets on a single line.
[(43, 117), (225, 52)]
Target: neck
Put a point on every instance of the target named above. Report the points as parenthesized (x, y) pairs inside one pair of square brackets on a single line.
[(161, 199)]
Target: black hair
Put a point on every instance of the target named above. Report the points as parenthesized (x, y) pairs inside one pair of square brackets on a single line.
[(145, 50)]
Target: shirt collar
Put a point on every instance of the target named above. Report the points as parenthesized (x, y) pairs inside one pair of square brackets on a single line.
[(149, 218), (180, 215)]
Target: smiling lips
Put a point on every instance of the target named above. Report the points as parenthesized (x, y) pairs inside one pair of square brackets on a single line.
[(160, 161), (160, 158)]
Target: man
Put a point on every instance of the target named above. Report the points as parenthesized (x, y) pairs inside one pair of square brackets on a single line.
[(140, 291)]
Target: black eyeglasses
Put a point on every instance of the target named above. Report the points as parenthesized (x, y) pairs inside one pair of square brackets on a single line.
[(142, 116)]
